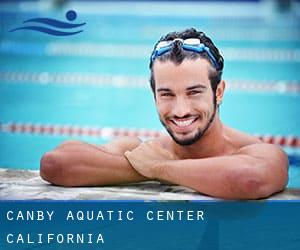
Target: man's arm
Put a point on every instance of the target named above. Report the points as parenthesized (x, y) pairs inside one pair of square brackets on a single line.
[(256, 171), (76, 163)]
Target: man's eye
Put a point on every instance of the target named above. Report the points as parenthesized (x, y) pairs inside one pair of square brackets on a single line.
[(166, 94), (194, 92)]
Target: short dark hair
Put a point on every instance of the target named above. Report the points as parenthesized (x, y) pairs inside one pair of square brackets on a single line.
[(177, 55)]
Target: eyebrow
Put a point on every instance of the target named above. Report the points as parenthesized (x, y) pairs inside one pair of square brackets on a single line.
[(164, 89), (198, 86)]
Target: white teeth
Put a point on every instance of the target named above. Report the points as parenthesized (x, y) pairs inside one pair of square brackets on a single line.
[(184, 123)]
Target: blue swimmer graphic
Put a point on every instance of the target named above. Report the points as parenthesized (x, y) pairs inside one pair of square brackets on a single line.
[(71, 15)]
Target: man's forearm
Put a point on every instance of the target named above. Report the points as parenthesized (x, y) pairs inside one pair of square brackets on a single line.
[(228, 177), (86, 165)]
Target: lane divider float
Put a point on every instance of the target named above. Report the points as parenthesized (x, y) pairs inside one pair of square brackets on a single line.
[(109, 132), (121, 81)]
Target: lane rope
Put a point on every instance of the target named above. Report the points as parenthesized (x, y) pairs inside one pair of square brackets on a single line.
[(109, 132), (139, 51), (121, 81)]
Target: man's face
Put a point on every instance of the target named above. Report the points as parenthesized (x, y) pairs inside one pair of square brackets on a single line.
[(184, 98)]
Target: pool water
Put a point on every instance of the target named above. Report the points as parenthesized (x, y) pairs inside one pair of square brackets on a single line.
[(100, 76)]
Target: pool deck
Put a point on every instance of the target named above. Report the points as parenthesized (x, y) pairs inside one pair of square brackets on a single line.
[(27, 185)]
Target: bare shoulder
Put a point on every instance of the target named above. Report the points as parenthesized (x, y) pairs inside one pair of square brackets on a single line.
[(121, 145), (265, 151), (239, 138), (253, 146)]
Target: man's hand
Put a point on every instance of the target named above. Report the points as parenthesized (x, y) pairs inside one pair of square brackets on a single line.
[(145, 158), (76, 163)]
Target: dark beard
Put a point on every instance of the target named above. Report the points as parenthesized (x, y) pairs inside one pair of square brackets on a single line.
[(196, 137)]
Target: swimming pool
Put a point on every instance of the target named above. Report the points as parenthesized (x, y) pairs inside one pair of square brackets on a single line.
[(94, 85)]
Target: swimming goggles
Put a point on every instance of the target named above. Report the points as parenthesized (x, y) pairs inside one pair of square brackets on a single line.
[(190, 44)]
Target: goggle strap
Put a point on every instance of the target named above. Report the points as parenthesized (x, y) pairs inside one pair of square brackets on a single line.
[(200, 49), (196, 48)]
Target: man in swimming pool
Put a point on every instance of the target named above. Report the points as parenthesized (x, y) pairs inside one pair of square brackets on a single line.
[(200, 152)]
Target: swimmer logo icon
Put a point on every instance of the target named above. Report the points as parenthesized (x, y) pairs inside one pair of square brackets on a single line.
[(71, 15)]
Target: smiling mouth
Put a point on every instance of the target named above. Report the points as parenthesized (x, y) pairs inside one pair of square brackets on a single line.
[(183, 123)]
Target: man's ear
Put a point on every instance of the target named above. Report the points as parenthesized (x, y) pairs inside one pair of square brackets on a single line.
[(220, 92)]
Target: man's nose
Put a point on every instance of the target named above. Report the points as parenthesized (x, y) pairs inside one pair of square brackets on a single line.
[(181, 107)]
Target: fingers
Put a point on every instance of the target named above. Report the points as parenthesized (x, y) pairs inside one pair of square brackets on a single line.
[(157, 147), (149, 150), (128, 155), (154, 144)]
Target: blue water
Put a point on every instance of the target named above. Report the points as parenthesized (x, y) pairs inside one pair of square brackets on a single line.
[(26, 101)]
